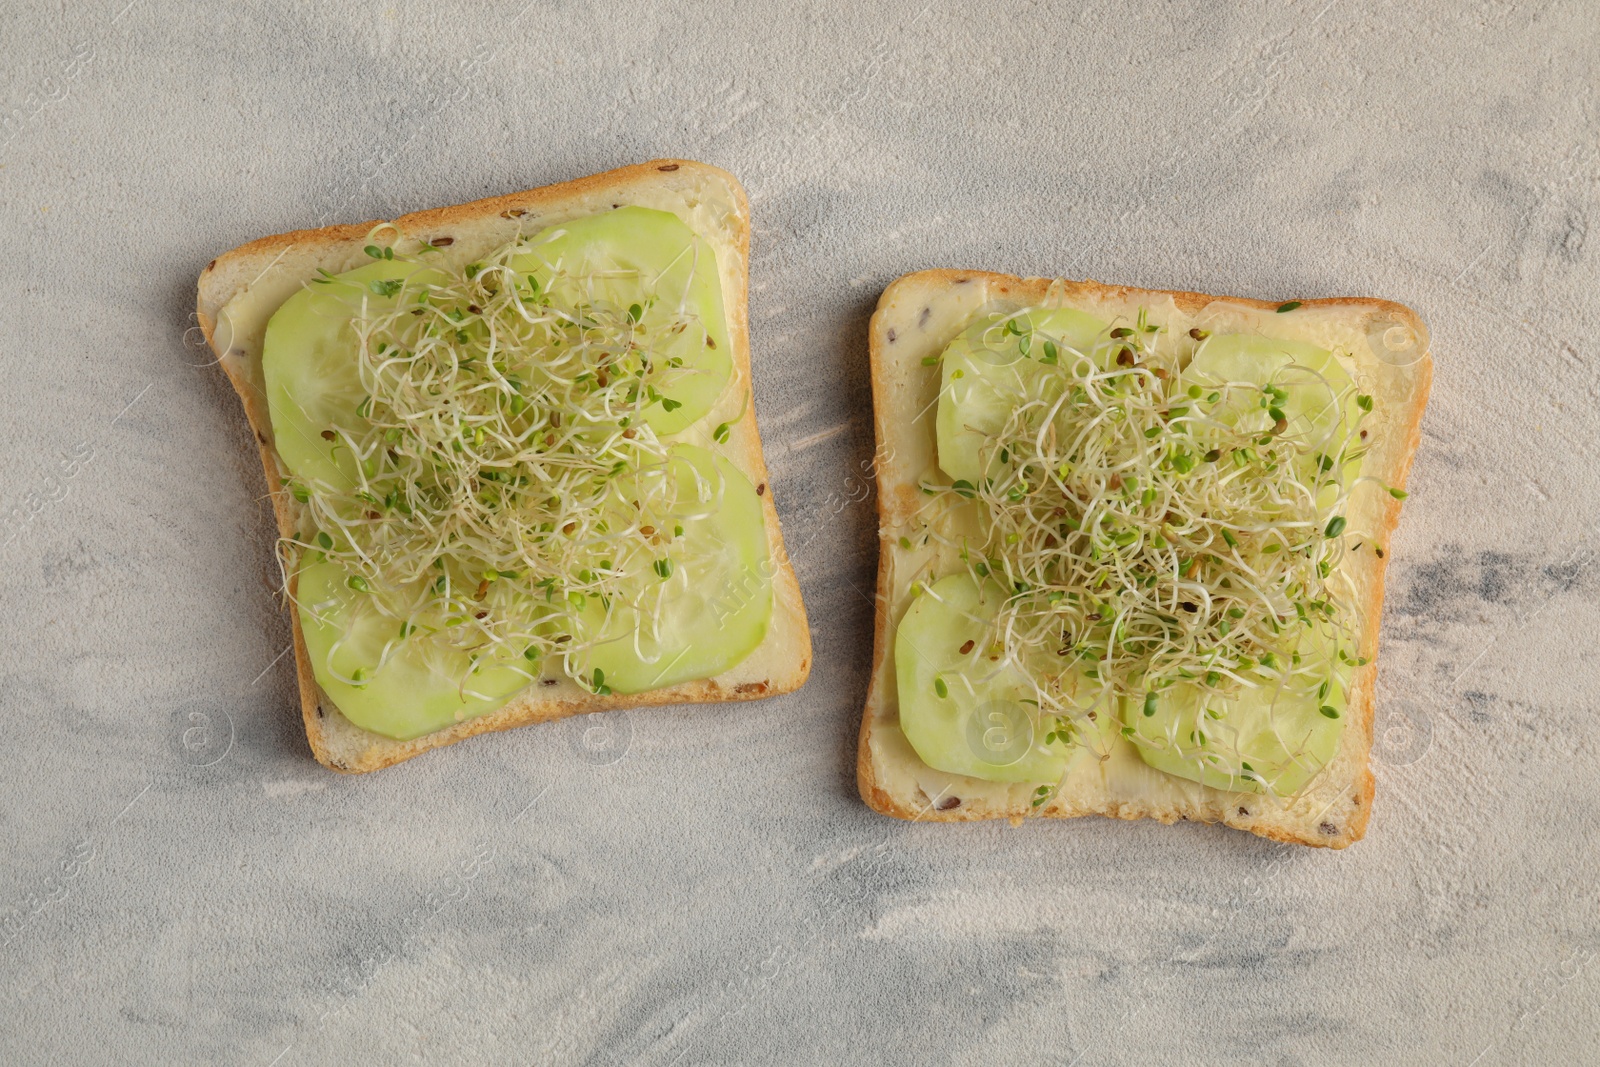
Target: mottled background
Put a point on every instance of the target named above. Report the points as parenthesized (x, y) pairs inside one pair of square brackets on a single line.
[(182, 884)]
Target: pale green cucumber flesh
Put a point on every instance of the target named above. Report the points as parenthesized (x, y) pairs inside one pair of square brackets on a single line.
[(406, 687), (308, 358), (712, 609), (980, 726), (1312, 377), (1273, 737), (984, 370), (636, 256)]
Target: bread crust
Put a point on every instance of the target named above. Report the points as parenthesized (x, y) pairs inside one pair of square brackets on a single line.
[(1022, 292), (358, 751)]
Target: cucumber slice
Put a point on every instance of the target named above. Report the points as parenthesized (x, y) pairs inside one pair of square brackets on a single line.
[(1320, 407), (961, 712), (639, 257), (712, 607), (1311, 376), (308, 358), (989, 367), (1275, 738), (398, 687)]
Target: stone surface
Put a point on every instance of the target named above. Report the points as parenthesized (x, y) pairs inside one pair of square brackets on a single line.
[(182, 884)]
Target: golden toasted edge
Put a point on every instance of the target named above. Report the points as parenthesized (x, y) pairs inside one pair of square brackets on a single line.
[(1031, 289), (384, 752)]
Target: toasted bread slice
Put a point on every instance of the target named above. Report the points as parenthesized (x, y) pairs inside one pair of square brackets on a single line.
[(917, 316), (239, 292)]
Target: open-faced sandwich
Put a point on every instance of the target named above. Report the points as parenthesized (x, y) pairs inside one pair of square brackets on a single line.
[(1133, 547), (513, 459)]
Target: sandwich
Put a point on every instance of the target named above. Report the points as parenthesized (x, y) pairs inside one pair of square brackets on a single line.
[(513, 459), (1132, 551)]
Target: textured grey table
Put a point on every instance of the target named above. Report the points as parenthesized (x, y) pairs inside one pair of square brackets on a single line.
[(182, 884)]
